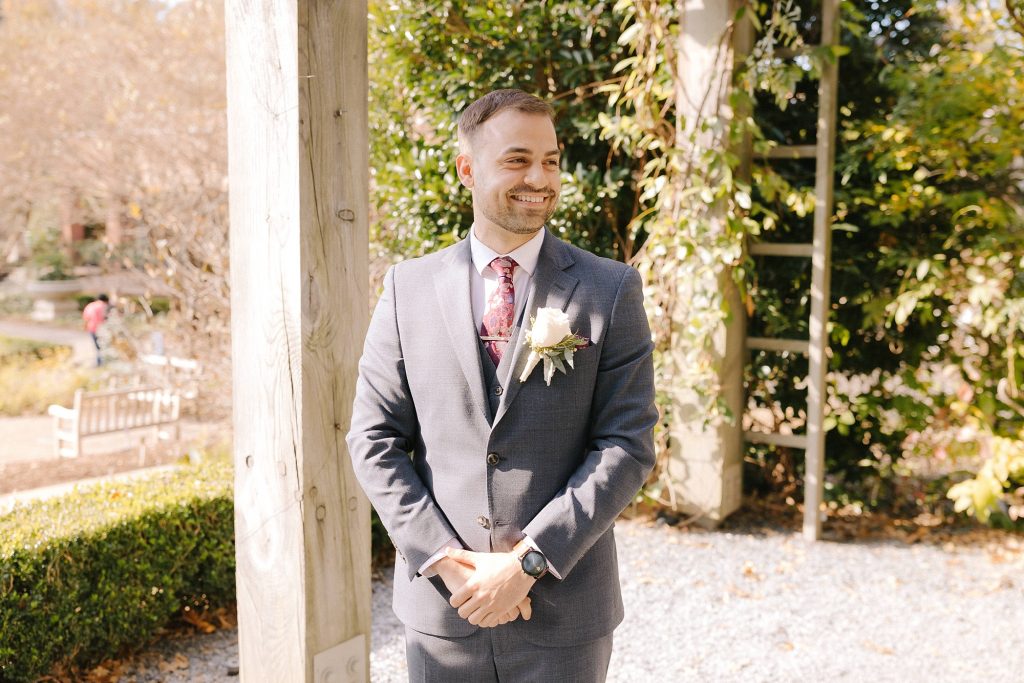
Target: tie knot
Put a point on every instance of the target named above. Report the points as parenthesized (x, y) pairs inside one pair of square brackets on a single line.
[(503, 266)]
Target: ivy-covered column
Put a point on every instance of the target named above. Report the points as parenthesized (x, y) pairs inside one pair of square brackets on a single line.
[(704, 463)]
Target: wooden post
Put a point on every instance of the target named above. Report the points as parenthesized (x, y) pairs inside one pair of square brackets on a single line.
[(298, 156), (821, 258), (705, 463)]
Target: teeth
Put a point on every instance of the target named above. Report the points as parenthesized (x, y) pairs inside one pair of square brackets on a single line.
[(532, 200)]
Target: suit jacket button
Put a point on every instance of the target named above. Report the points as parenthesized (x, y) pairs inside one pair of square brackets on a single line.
[(498, 391), (484, 522), (493, 458)]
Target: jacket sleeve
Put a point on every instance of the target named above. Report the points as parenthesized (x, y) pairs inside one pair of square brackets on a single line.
[(621, 449), (382, 435)]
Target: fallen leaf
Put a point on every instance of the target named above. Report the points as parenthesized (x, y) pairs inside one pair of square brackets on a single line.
[(880, 649), (193, 618)]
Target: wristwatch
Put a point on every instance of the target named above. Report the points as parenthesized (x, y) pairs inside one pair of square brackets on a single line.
[(533, 562)]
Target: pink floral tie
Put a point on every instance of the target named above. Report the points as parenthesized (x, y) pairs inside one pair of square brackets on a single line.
[(501, 306)]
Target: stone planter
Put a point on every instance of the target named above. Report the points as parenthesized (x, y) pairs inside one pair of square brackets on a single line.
[(53, 297)]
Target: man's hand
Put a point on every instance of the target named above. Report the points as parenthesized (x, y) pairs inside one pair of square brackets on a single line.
[(496, 586), (455, 575)]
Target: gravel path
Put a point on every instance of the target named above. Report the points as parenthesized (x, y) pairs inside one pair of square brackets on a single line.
[(762, 606)]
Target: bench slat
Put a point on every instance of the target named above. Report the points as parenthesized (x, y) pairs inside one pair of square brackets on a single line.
[(103, 412)]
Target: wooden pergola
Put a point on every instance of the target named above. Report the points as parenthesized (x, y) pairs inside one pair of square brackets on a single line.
[(298, 162)]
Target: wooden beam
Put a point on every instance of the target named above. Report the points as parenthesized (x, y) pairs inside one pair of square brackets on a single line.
[(770, 344), (821, 262), (777, 439), (795, 249), (297, 152), (791, 152)]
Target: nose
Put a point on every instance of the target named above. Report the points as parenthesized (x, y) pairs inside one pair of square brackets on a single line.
[(535, 177)]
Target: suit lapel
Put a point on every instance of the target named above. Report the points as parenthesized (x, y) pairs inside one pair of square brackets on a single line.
[(551, 287), (452, 286)]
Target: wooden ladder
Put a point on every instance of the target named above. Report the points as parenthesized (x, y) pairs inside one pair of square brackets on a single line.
[(820, 253)]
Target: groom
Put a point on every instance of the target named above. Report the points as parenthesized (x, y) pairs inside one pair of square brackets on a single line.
[(499, 489)]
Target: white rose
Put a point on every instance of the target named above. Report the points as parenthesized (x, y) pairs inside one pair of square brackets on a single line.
[(550, 327)]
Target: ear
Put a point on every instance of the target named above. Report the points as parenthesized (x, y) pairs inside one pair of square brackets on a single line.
[(464, 167)]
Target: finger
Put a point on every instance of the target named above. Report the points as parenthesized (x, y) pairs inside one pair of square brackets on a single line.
[(461, 555), (477, 617), (469, 608), (460, 596), (526, 609)]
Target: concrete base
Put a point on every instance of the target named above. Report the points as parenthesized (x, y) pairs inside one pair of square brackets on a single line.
[(705, 485)]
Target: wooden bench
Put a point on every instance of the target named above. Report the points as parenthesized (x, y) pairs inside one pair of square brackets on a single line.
[(114, 410)]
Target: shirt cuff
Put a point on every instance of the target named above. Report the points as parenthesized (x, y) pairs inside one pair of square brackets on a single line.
[(530, 542), (427, 568)]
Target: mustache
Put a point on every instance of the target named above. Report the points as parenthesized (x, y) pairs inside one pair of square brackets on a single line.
[(529, 190)]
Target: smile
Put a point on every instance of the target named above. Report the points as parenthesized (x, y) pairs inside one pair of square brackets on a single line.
[(530, 199)]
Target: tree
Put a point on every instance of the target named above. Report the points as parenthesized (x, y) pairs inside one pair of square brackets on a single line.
[(120, 106)]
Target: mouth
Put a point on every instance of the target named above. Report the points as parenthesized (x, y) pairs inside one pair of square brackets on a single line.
[(530, 198)]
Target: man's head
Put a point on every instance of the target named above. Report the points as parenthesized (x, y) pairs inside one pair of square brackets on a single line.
[(492, 104), (509, 160), (104, 298)]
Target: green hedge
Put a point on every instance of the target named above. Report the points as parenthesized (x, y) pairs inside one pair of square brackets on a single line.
[(83, 575)]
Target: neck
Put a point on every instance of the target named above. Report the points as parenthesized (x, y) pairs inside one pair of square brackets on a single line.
[(501, 241)]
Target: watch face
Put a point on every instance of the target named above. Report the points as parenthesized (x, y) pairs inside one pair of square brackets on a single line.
[(534, 563)]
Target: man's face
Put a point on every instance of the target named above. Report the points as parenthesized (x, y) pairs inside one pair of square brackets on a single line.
[(512, 168)]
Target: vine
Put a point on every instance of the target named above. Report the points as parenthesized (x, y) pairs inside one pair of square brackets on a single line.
[(697, 209)]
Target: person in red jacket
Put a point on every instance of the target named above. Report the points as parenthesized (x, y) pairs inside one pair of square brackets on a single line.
[(94, 314)]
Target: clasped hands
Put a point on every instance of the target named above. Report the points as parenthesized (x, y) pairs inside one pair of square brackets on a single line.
[(488, 589)]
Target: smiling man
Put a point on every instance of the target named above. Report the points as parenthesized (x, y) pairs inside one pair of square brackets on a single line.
[(499, 485)]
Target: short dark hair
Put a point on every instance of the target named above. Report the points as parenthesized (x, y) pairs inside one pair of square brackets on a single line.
[(104, 298), (498, 101)]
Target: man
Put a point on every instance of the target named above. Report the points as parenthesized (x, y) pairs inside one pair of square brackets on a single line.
[(94, 313), (502, 517)]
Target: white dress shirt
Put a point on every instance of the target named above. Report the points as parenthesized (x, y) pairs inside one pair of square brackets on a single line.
[(483, 282)]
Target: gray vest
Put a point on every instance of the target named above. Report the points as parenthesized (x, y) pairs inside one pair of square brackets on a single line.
[(493, 387)]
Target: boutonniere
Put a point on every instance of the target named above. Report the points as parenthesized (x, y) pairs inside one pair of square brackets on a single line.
[(551, 339)]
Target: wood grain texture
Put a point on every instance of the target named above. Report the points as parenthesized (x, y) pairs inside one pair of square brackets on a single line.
[(297, 152)]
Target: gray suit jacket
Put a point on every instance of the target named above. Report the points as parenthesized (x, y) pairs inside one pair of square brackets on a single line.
[(571, 456)]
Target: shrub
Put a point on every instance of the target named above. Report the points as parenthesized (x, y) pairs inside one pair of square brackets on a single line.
[(996, 493), (34, 375), (83, 575), (16, 347)]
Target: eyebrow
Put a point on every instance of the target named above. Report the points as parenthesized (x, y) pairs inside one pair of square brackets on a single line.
[(524, 150)]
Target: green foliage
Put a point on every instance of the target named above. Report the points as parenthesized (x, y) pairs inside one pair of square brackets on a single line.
[(998, 486), (934, 183), (83, 575), (429, 59)]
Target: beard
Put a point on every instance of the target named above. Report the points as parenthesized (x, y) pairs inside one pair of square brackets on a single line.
[(520, 220)]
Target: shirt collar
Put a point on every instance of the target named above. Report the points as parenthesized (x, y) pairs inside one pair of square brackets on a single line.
[(525, 256)]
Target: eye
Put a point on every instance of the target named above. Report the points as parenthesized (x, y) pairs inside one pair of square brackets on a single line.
[(552, 163)]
